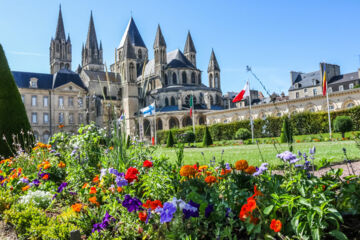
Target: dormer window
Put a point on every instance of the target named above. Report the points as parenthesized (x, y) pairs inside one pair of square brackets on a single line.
[(33, 82)]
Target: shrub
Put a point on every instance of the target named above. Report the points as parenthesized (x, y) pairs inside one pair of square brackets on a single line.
[(242, 134), (286, 133), (13, 118), (170, 140), (187, 137), (207, 138), (343, 124)]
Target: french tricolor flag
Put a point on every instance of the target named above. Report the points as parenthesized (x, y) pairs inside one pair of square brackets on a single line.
[(244, 93)]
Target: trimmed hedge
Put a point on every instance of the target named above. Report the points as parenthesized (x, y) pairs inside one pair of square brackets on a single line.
[(301, 124)]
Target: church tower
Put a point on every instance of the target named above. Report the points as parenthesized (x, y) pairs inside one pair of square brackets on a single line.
[(130, 100), (159, 52), (60, 48), (92, 54), (214, 72), (189, 50)]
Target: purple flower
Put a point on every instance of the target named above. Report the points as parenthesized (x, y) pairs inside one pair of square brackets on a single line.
[(35, 182), (54, 196), (120, 181), (131, 204), (62, 186), (312, 150), (227, 166), (208, 210), (103, 172), (23, 180), (167, 212), (104, 223), (228, 211), (288, 157), (114, 171), (261, 169), (73, 193), (97, 227), (57, 154), (191, 210), (73, 153)]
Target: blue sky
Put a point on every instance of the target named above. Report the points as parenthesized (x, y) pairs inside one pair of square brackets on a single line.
[(273, 37)]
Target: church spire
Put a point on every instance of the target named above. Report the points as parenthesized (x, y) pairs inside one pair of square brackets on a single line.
[(159, 39), (91, 41), (129, 51), (213, 63), (92, 56), (60, 30), (189, 45)]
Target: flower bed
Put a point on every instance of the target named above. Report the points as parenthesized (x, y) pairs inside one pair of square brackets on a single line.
[(92, 183)]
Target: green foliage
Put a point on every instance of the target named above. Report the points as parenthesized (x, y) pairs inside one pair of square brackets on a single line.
[(170, 140), (128, 142), (187, 137), (286, 132), (207, 141), (343, 124), (242, 134), (13, 118)]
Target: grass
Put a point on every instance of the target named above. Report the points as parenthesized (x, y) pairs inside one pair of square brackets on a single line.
[(329, 150)]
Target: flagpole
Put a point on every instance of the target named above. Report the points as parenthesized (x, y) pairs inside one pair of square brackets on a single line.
[(328, 107), (155, 120), (251, 121)]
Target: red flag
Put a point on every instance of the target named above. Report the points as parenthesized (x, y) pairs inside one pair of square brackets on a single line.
[(324, 84), (190, 112), (153, 141), (244, 93)]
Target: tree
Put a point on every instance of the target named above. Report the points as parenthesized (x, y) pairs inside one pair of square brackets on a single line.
[(128, 141), (170, 140), (286, 133), (242, 134), (343, 124), (207, 138), (13, 118)]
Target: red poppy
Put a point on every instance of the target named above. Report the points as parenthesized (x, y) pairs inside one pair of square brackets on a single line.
[(143, 216), (275, 225), (147, 164), (251, 204), (131, 174)]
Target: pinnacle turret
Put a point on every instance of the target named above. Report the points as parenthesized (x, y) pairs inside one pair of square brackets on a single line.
[(189, 45), (213, 63), (60, 30), (159, 39)]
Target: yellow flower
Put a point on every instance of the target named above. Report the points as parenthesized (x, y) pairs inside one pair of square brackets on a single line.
[(61, 164), (203, 167)]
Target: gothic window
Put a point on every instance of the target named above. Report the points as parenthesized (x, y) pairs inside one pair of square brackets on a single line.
[(166, 102), (184, 77), (193, 78), (216, 80), (159, 125), (211, 80), (147, 130), (131, 69), (199, 78), (173, 101), (211, 100), (218, 101), (139, 54), (166, 80), (187, 121), (173, 123), (57, 47), (67, 66), (174, 78), (350, 105)]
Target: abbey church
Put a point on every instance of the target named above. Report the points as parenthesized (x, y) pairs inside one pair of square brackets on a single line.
[(69, 97)]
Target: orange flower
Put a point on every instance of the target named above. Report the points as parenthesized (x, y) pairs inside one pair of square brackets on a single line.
[(46, 165), (45, 177), (244, 213), (143, 216), (250, 170), (241, 165), (76, 207), (257, 192), (61, 126), (187, 171), (25, 188), (94, 200), (203, 167), (251, 204), (85, 185), (96, 179), (275, 225), (111, 148), (210, 179), (225, 171), (93, 190), (61, 164), (208, 173), (119, 189)]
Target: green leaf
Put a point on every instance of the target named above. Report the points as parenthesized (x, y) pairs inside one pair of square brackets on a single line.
[(268, 209), (338, 235), (315, 233), (303, 201), (269, 237)]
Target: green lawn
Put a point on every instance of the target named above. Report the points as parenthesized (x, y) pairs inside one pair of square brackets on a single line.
[(330, 150)]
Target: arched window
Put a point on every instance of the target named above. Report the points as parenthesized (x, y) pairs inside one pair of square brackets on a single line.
[(187, 100), (184, 80), (201, 98), (174, 78), (350, 105), (61, 65), (166, 102), (166, 80), (46, 137), (173, 123), (216, 80), (131, 69), (159, 125), (193, 78), (187, 121), (67, 66), (218, 100), (202, 120), (199, 78), (211, 100), (211, 80), (147, 130), (139, 54), (173, 101)]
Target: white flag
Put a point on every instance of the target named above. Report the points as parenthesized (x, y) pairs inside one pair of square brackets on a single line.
[(149, 110)]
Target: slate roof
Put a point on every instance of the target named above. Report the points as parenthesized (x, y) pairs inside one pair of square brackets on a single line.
[(60, 30), (22, 79), (216, 107), (348, 77), (65, 76), (169, 109), (213, 63), (189, 45), (176, 59), (95, 75), (159, 39), (306, 80), (134, 35), (128, 50), (47, 81)]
